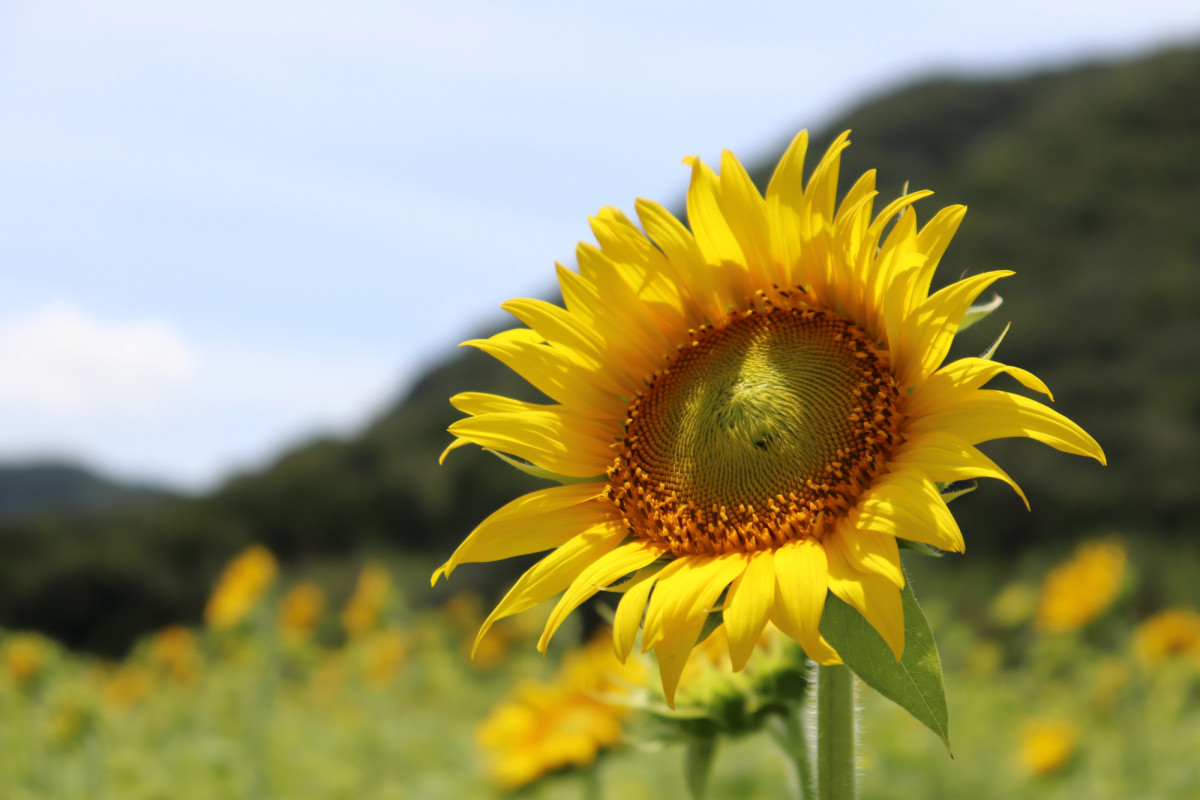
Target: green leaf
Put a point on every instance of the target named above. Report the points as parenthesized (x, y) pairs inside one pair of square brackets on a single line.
[(914, 682), (979, 311), (697, 764), (538, 472)]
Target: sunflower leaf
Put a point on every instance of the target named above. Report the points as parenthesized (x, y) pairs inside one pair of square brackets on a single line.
[(914, 682), (538, 472), (979, 311)]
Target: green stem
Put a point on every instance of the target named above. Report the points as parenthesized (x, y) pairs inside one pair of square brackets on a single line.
[(836, 776), (591, 782), (788, 732)]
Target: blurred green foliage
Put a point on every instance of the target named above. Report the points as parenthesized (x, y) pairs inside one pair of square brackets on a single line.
[(1084, 181), (251, 711)]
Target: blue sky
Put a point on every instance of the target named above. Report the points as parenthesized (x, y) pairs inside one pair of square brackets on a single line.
[(225, 226)]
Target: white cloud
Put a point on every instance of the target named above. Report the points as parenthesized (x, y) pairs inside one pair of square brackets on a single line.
[(58, 360), (139, 399)]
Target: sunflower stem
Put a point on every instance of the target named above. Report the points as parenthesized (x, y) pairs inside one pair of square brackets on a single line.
[(788, 731), (592, 788), (837, 778)]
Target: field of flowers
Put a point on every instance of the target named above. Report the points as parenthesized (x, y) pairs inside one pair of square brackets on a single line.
[(1080, 679)]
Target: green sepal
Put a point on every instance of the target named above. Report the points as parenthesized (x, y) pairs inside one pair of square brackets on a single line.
[(986, 355), (952, 490), (914, 682), (920, 548), (979, 311), (697, 765), (711, 623), (538, 472)]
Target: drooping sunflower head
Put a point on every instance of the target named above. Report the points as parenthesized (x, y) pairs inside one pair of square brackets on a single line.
[(748, 413)]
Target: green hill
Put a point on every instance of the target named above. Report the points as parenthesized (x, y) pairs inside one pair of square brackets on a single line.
[(1085, 181), (31, 489)]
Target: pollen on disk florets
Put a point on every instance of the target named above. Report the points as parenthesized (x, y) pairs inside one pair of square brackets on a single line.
[(758, 431)]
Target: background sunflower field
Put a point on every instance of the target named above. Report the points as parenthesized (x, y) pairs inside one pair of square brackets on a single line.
[(277, 637)]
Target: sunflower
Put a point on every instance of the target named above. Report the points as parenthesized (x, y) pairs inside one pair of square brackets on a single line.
[(542, 727), (748, 414)]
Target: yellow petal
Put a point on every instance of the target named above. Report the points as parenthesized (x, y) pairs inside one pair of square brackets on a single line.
[(550, 437), (868, 551), (552, 371), (687, 593), (951, 382), (748, 606), (625, 560), (616, 316), (785, 195), (876, 598), (987, 414), (933, 240), (746, 213), (629, 612), (715, 239), (944, 457), (533, 522), (681, 250), (801, 581), (907, 505), (555, 572), (644, 271), (672, 655), (929, 330)]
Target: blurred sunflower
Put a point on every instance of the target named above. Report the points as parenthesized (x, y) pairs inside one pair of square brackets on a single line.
[(25, 656), (243, 583), (1047, 745), (175, 651), (544, 727), (748, 414), (300, 610), (1175, 631), (1079, 590), (366, 605)]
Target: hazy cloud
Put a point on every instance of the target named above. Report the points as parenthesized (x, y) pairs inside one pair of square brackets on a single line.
[(59, 360)]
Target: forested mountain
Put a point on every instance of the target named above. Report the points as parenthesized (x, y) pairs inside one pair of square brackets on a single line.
[(1085, 181), (35, 488)]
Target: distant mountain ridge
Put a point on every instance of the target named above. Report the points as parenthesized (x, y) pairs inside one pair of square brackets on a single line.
[(29, 489), (1085, 181)]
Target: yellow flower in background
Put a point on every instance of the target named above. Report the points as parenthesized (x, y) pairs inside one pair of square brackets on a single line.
[(240, 587), (1078, 591), (383, 656), (542, 727), (127, 686), (1014, 605), (365, 606), (1047, 745), (463, 610), (72, 714), (301, 609), (174, 651), (749, 413), (25, 657), (1175, 632), (490, 652)]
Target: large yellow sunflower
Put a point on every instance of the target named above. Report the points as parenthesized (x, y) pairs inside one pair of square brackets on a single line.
[(748, 414)]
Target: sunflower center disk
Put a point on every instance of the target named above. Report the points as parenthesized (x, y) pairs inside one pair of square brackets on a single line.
[(758, 432)]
